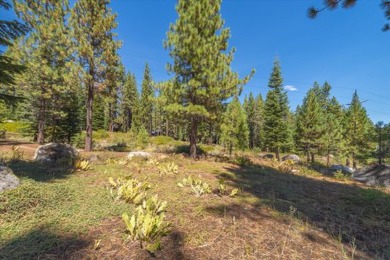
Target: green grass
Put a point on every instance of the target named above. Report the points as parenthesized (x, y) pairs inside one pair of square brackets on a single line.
[(67, 207)]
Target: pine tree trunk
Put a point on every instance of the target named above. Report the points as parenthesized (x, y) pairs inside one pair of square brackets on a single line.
[(307, 155), (328, 158), (167, 128), (88, 138), (277, 154), (110, 118), (312, 157), (41, 122), (193, 133)]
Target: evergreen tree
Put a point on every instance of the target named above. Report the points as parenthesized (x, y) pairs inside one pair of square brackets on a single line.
[(332, 138), (250, 107), (93, 24), (201, 63), (310, 122), (99, 121), (147, 98), (258, 122), (276, 110), (130, 104), (47, 53), (234, 127), (114, 78), (380, 136), (358, 130), (9, 31)]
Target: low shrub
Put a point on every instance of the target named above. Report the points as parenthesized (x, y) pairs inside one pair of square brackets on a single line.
[(198, 186), (170, 168), (161, 140), (82, 165), (128, 189), (147, 224)]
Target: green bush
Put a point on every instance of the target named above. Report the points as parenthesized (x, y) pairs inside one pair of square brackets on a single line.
[(100, 134), (13, 127), (79, 140), (161, 140), (2, 133), (142, 137)]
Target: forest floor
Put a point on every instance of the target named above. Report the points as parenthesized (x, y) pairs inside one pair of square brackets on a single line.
[(280, 214)]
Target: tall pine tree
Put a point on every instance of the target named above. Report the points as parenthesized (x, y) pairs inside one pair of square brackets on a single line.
[(198, 44), (93, 24), (147, 98), (250, 109), (234, 127), (9, 32), (358, 130), (310, 124), (276, 110), (130, 104), (49, 80)]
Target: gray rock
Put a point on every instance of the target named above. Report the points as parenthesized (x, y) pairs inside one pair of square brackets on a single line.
[(94, 158), (56, 153), (266, 156), (8, 179), (342, 168), (138, 154), (292, 157), (374, 175)]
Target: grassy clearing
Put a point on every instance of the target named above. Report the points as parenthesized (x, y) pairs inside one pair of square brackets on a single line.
[(280, 214)]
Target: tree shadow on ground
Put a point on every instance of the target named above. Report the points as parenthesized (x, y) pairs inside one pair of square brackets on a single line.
[(41, 243), (356, 215), (39, 171), (13, 142)]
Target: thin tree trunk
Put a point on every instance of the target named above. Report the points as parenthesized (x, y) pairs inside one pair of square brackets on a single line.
[(41, 122), (277, 154), (307, 155), (88, 138), (167, 127), (193, 133), (110, 118), (328, 158), (312, 157)]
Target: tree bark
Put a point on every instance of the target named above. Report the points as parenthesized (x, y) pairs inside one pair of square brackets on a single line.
[(307, 155), (277, 154), (110, 118), (167, 127), (89, 105), (193, 133), (328, 158), (41, 122)]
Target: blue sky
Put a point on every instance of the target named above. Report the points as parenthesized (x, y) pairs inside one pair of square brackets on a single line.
[(344, 47)]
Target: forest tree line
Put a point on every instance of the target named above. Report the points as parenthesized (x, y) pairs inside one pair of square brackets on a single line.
[(74, 81)]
